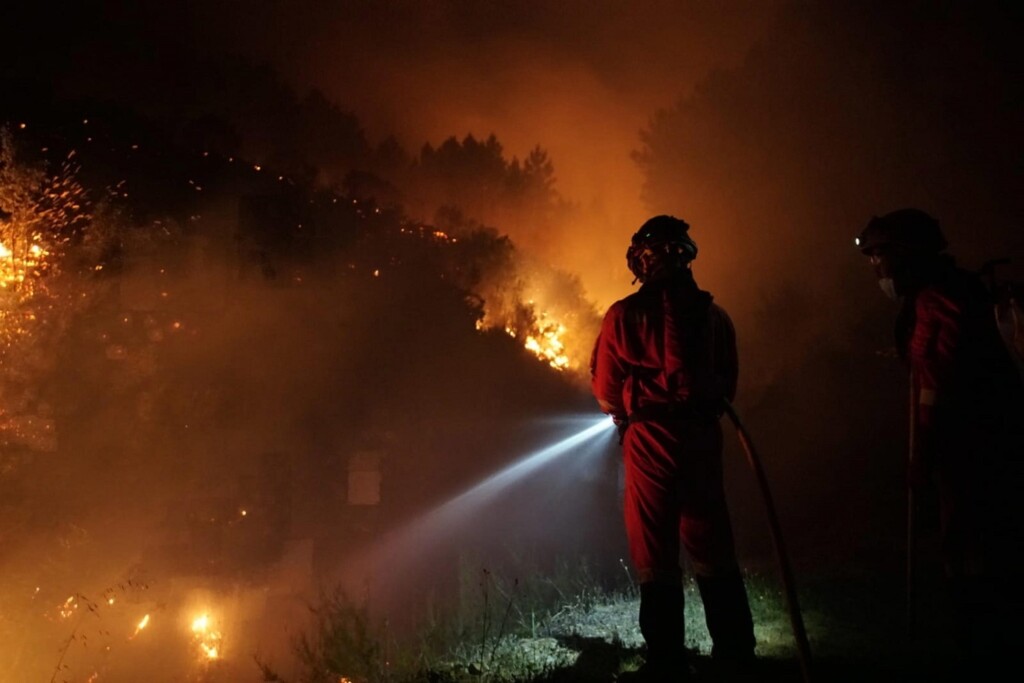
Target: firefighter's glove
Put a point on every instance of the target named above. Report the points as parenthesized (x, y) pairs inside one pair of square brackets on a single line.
[(621, 424)]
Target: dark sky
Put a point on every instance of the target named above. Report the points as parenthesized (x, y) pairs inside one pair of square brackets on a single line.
[(529, 71)]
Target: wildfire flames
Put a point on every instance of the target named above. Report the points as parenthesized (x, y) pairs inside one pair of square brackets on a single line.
[(15, 264), (205, 636), (548, 344), (19, 283), (142, 624), (68, 608), (541, 334), (39, 213), (207, 640)]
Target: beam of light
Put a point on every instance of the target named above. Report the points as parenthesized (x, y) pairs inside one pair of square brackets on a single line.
[(484, 492), (466, 506)]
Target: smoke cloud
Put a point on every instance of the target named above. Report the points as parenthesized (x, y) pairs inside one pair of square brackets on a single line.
[(578, 78), (776, 129)]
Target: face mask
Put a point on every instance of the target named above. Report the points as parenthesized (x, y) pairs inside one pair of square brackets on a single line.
[(888, 287)]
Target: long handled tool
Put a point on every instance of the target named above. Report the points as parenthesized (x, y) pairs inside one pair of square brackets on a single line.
[(795, 618), (911, 523)]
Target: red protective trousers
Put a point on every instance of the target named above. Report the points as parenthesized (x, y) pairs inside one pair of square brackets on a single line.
[(675, 497)]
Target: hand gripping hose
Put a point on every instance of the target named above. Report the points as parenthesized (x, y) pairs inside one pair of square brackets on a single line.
[(795, 618)]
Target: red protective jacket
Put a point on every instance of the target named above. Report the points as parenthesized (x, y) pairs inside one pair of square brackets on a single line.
[(968, 391), (666, 343)]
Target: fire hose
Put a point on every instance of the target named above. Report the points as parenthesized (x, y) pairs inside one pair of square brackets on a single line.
[(792, 604), (911, 585)]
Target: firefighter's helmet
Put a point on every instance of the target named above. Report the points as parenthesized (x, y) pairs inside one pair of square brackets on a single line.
[(911, 229), (663, 242)]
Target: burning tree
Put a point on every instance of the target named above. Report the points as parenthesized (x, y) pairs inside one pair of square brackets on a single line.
[(42, 213), (530, 300)]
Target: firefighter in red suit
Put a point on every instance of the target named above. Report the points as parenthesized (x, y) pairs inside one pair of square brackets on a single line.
[(664, 360), (968, 413)]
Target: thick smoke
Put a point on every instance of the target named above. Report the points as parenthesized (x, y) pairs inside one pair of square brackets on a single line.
[(239, 383), (841, 112), (775, 129), (578, 78)]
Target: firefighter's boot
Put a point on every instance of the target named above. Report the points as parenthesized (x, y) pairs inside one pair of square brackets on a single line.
[(663, 625), (727, 613)]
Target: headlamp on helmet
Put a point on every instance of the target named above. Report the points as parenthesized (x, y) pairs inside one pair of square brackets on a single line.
[(909, 229)]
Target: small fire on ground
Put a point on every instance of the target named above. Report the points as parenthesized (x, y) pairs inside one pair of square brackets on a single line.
[(206, 639)]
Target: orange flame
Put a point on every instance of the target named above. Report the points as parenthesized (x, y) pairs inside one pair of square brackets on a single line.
[(142, 624), (207, 640)]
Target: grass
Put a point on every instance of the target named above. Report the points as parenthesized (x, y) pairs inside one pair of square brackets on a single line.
[(565, 626)]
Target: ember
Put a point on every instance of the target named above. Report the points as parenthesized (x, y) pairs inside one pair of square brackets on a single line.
[(206, 639), (142, 624)]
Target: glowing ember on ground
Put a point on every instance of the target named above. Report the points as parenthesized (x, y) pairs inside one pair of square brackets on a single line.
[(68, 608), (142, 624), (206, 639)]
